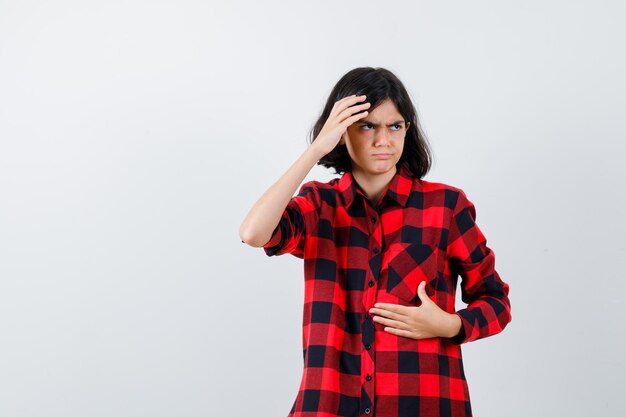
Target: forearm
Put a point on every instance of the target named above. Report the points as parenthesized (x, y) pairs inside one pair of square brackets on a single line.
[(258, 225)]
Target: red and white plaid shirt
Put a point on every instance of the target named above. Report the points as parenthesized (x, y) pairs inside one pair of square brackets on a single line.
[(356, 254)]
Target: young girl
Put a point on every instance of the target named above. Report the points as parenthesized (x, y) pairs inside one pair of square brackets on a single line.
[(382, 251)]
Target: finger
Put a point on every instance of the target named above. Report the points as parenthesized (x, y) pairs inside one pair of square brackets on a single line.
[(351, 120), (391, 323), (403, 333), (344, 103), (387, 313), (394, 308), (354, 110), (347, 109), (353, 97), (421, 291)]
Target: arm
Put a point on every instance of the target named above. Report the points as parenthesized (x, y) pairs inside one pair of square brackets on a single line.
[(263, 218), (488, 308)]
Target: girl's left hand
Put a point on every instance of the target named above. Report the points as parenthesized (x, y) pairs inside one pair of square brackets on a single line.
[(427, 320)]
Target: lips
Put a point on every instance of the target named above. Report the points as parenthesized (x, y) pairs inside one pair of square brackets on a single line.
[(382, 155)]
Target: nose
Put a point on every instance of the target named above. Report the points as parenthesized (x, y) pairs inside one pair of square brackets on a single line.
[(381, 137)]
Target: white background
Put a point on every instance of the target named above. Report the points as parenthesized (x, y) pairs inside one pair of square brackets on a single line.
[(136, 135)]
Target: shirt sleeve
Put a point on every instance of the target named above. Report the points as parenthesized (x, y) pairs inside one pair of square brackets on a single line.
[(488, 308), (298, 220)]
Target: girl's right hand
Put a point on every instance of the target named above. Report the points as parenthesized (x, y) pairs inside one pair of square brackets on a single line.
[(341, 116)]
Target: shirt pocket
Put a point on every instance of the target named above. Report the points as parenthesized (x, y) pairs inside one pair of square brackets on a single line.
[(408, 265)]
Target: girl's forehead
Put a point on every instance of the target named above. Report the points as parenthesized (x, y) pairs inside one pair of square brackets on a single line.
[(385, 112)]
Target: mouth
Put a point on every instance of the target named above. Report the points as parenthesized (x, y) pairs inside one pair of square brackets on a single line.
[(382, 155)]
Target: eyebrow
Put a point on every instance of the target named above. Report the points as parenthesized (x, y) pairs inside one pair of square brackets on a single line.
[(364, 121)]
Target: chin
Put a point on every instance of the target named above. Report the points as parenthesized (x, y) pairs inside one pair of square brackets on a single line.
[(382, 168)]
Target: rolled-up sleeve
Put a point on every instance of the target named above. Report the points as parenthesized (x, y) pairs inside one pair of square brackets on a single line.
[(299, 219), (488, 308)]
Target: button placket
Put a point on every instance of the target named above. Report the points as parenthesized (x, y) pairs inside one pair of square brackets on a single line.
[(369, 296)]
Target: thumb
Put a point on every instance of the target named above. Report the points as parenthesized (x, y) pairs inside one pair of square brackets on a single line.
[(421, 292)]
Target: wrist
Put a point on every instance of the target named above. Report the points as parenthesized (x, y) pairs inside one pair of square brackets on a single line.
[(317, 151), (454, 325)]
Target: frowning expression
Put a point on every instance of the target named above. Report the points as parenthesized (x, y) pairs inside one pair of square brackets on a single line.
[(375, 143)]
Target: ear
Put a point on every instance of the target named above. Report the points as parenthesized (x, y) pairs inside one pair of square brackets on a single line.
[(408, 124)]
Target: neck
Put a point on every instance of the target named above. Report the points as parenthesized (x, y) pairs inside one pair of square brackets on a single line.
[(373, 185)]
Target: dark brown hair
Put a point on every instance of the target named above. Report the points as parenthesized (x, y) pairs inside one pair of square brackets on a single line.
[(378, 84)]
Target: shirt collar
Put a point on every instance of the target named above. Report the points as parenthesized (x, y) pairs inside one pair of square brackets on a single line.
[(399, 188)]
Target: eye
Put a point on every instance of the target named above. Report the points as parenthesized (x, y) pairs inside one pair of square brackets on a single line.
[(366, 124), (399, 126)]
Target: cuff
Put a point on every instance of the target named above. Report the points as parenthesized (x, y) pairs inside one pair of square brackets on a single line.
[(270, 247), (467, 320)]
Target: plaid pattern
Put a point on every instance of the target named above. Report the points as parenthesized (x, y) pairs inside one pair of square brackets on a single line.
[(356, 254)]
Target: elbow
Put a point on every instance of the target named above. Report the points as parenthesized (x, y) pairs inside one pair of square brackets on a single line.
[(245, 236), (249, 237)]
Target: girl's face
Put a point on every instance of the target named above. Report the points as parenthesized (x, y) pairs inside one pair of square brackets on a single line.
[(375, 142)]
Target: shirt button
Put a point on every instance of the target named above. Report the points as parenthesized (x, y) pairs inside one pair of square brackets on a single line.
[(367, 411), (375, 250), (371, 283), (368, 347), (373, 219), (369, 377)]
